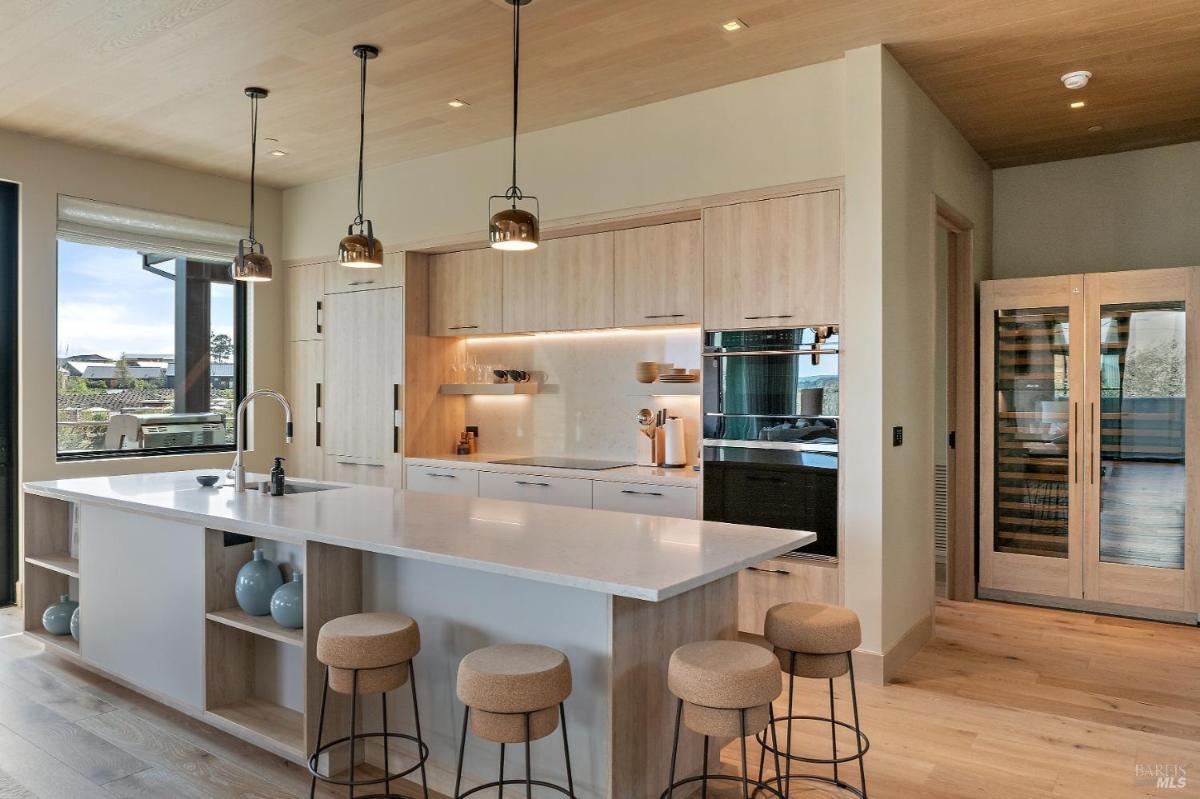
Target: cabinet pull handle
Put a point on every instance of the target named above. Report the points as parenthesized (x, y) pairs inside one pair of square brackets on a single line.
[(767, 571), (528, 483), (318, 415), (642, 493), (367, 465), (360, 282), (754, 479), (320, 327), (463, 327), (770, 316), (447, 476), (664, 315)]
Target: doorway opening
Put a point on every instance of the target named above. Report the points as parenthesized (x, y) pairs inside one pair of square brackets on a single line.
[(9, 220), (955, 443)]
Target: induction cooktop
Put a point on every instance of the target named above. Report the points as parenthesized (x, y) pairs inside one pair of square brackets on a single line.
[(563, 463)]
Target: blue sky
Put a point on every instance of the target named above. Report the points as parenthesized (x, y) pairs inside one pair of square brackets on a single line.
[(109, 305)]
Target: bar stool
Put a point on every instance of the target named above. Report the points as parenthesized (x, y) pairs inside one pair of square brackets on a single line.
[(725, 690), (814, 641), (514, 693), (364, 654)]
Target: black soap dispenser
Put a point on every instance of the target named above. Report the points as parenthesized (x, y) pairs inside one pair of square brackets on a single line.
[(277, 478)]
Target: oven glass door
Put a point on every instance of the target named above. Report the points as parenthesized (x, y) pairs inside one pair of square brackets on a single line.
[(784, 398)]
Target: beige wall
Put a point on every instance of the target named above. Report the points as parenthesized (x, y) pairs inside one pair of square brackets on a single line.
[(778, 129), (45, 169), (901, 154), (1132, 210)]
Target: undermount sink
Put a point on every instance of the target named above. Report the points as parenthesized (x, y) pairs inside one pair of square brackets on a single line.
[(288, 488)]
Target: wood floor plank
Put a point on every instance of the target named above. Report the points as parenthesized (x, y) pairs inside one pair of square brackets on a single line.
[(31, 771), (80, 750)]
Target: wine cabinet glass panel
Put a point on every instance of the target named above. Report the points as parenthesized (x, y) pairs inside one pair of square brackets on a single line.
[(1033, 436)]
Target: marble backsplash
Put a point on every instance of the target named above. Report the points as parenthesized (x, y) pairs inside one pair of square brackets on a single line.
[(589, 396)]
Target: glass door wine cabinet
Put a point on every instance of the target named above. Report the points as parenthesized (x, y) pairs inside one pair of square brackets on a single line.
[(1088, 399)]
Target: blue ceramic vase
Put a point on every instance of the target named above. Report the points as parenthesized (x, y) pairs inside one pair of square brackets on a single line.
[(57, 618), (256, 582), (75, 624), (287, 603)]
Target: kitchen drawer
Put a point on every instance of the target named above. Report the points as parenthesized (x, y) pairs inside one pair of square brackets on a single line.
[(774, 582), (340, 279), (575, 492), (642, 498), (440, 480), (384, 471)]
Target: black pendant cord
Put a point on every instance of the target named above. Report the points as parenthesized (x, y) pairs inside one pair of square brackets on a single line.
[(362, 131), (514, 193), (253, 158)]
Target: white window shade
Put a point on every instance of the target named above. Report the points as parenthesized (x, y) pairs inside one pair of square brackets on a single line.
[(107, 225)]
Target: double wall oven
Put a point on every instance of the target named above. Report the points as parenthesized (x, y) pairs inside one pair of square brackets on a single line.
[(771, 431)]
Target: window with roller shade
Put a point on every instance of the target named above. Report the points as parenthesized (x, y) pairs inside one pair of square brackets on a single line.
[(151, 353)]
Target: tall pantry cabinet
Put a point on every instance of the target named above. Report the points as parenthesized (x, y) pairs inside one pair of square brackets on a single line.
[(347, 387)]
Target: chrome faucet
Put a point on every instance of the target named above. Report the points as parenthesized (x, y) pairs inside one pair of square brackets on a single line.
[(238, 472)]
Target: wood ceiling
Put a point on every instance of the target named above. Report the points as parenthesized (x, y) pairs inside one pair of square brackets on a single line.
[(163, 79)]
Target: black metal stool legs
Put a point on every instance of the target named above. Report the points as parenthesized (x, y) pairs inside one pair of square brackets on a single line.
[(528, 781), (862, 743), (704, 777), (355, 736)]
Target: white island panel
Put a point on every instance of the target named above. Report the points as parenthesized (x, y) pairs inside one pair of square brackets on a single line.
[(141, 601)]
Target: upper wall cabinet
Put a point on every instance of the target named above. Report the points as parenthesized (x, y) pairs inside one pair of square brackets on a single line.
[(565, 284), (773, 263), (340, 278), (659, 275), (464, 293), (305, 296)]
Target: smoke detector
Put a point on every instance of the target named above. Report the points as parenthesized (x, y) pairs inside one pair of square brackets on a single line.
[(1076, 80)]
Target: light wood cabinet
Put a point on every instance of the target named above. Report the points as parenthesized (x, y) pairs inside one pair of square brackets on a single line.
[(465, 293), (773, 263), (658, 274), (364, 374), (305, 376), (341, 279), (386, 471), (782, 580), (305, 300), (565, 284)]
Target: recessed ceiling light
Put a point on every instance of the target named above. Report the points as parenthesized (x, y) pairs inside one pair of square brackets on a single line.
[(1078, 104), (1077, 79), (277, 153), (1095, 128), (734, 24), (456, 103)]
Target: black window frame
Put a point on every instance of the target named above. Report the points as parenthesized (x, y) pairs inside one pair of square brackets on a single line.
[(240, 349)]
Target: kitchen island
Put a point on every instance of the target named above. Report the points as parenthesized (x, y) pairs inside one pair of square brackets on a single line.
[(152, 560)]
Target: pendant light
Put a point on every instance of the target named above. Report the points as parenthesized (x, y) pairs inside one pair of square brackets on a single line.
[(361, 250), (252, 263), (514, 228)]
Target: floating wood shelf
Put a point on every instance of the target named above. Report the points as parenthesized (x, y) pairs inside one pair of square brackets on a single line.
[(273, 727), (258, 625), (494, 389), (63, 644), (57, 562)]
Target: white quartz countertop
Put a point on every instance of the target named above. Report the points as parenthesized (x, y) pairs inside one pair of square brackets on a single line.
[(647, 475), (644, 557)]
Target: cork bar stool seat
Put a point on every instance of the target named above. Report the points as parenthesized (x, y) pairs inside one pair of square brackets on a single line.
[(514, 694), (724, 690), (366, 654), (814, 641)]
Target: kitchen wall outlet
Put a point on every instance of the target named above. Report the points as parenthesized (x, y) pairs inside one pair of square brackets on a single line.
[(897, 436)]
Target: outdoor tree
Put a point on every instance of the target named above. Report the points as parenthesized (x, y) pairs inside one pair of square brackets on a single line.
[(221, 347), (123, 378)]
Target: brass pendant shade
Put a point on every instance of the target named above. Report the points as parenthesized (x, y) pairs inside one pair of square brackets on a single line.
[(252, 264), (359, 249), (515, 228)]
